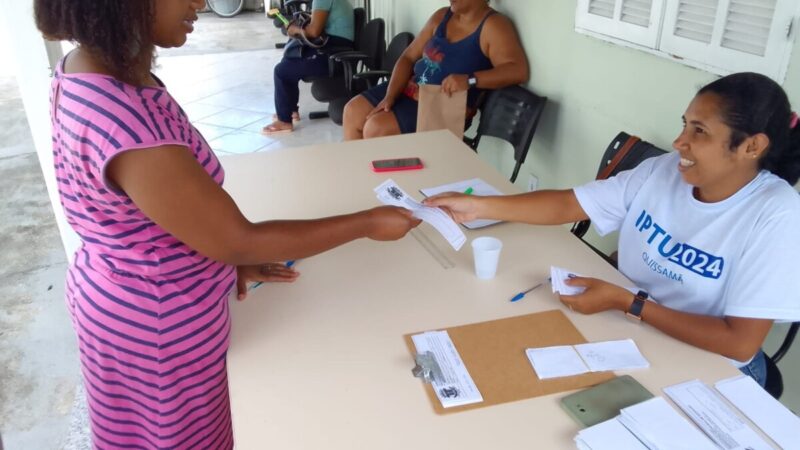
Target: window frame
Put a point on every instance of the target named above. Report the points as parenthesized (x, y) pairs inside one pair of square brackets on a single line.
[(712, 57)]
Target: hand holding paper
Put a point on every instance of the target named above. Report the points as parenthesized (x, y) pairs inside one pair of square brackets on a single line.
[(589, 295), (390, 194)]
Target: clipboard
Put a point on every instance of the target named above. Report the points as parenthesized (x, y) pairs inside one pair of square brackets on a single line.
[(494, 354)]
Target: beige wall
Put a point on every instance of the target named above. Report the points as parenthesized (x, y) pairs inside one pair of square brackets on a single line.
[(595, 90)]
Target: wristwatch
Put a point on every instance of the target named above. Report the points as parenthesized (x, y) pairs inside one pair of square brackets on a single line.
[(635, 310), (472, 81)]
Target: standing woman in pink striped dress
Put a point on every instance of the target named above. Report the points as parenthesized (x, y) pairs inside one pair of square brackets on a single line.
[(162, 244)]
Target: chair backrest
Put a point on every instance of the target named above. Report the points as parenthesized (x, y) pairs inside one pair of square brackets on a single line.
[(624, 152), (774, 381), (372, 42), (511, 113), (291, 7), (359, 20), (638, 152), (396, 47)]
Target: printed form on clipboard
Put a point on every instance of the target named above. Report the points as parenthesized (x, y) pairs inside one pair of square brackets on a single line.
[(457, 388), (478, 186)]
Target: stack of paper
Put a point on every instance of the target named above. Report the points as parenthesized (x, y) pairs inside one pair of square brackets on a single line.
[(390, 194), (567, 360), (770, 415), (717, 420), (608, 435), (475, 186), (659, 427)]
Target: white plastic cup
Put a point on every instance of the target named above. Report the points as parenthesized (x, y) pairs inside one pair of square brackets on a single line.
[(486, 251)]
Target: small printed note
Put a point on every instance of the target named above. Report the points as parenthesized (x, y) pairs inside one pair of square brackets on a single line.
[(475, 186), (612, 355), (568, 360), (389, 193), (457, 388)]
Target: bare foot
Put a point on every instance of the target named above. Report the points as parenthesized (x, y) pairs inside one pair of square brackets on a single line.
[(277, 127)]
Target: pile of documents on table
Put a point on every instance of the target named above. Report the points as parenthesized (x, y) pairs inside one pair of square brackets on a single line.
[(655, 424)]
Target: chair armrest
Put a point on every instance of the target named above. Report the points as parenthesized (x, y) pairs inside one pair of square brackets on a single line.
[(341, 58), (372, 76), (349, 56)]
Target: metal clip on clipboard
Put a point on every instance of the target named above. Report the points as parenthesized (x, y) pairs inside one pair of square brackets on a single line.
[(427, 368)]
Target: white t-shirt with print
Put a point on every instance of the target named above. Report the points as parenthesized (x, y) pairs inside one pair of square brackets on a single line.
[(738, 257)]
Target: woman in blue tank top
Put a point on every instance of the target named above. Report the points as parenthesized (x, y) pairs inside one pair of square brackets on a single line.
[(467, 46)]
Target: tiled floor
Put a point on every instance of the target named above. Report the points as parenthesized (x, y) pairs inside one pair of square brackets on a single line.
[(229, 97)]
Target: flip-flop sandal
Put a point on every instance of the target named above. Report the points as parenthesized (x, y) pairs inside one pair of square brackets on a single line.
[(273, 129), (294, 119)]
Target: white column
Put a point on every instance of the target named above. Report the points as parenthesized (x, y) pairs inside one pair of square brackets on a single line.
[(385, 10), (33, 58)]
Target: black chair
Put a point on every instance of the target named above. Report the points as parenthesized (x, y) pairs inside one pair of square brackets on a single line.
[(288, 9), (325, 89), (774, 382), (511, 113), (623, 153), (368, 54), (394, 51), (357, 82)]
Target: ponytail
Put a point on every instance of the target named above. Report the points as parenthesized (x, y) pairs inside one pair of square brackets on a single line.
[(751, 104)]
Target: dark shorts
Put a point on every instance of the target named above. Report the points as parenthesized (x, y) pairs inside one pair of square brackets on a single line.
[(404, 109)]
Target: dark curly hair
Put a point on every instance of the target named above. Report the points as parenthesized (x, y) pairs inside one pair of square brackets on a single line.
[(753, 103), (118, 33)]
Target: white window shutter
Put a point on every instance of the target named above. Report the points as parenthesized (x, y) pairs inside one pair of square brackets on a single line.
[(635, 21), (727, 36)]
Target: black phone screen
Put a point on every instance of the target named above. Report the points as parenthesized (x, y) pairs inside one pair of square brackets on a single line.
[(394, 163)]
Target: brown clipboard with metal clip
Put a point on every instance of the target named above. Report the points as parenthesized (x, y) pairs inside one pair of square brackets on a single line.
[(494, 354)]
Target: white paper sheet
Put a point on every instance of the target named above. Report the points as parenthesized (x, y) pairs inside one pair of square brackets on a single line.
[(612, 355), (608, 435), (389, 193), (660, 427), (568, 360), (479, 187), (457, 388), (770, 415), (558, 361), (557, 278), (717, 420)]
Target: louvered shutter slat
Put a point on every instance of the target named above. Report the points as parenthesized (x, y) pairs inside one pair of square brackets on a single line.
[(604, 8), (747, 26), (696, 19), (637, 12)]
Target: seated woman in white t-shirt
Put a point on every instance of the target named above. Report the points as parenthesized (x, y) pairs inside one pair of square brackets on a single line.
[(710, 231)]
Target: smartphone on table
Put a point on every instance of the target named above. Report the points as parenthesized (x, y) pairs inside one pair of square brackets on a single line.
[(389, 165)]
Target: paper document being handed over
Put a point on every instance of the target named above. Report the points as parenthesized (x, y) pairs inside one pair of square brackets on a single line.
[(389, 193)]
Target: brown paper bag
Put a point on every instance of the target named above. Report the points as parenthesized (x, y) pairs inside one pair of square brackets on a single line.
[(438, 111)]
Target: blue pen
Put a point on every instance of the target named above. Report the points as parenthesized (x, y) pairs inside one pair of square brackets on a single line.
[(259, 283), (523, 293)]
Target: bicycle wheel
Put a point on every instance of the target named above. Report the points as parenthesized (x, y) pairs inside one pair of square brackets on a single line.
[(225, 8)]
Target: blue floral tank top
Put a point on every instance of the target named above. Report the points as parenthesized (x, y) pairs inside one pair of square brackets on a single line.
[(442, 58)]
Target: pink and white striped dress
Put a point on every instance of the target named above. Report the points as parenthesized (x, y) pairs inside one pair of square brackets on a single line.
[(150, 313)]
